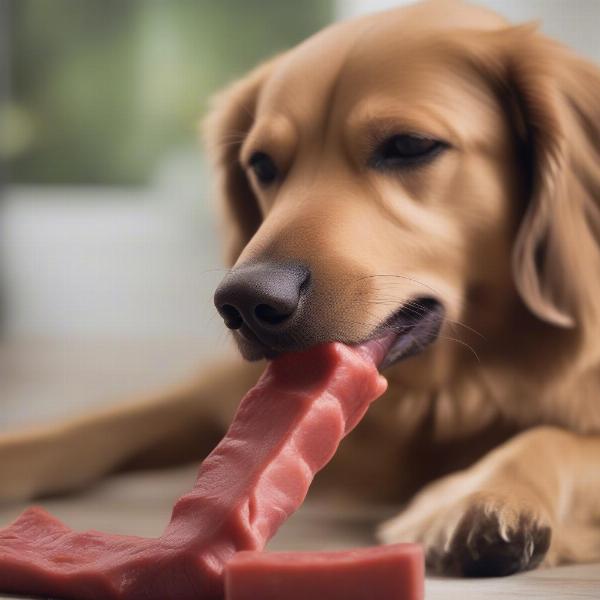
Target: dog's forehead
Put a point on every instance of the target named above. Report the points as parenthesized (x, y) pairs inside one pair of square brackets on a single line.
[(350, 60), (303, 79)]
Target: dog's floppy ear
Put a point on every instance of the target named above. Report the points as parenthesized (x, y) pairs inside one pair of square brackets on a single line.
[(556, 258), (224, 130)]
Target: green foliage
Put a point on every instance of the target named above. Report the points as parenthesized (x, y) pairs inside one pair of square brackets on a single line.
[(103, 89)]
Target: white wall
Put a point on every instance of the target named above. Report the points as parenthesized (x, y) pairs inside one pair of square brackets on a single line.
[(574, 22), (106, 263)]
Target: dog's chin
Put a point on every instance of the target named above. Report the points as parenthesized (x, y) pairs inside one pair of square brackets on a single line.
[(408, 331)]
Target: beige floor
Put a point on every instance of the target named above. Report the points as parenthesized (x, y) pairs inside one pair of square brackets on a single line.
[(34, 378), (140, 504)]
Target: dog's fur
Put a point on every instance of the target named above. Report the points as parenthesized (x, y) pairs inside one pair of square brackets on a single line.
[(496, 426)]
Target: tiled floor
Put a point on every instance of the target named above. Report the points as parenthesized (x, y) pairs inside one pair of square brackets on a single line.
[(47, 381)]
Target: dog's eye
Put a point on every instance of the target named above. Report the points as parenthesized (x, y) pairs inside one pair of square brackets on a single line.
[(264, 168), (406, 150)]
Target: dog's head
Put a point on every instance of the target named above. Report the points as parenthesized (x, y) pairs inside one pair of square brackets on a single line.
[(423, 170)]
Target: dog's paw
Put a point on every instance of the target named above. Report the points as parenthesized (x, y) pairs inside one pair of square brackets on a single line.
[(490, 536), (483, 535)]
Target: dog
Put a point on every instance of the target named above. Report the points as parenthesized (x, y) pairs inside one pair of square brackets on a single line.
[(432, 171)]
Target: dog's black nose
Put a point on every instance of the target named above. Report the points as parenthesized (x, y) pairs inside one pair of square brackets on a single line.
[(262, 296)]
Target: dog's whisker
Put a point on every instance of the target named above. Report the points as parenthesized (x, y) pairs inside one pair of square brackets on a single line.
[(237, 134), (463, 343), (414, 305), (229, 143), (404, 278), (231, 138)]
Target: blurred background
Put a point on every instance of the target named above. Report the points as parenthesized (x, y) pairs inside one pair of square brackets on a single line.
[(108, 243)]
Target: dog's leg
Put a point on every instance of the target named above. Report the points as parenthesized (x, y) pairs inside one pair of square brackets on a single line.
[(172, 427), (534, 499)]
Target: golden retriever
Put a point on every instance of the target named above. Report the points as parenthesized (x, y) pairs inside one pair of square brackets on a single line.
[(433, 171)]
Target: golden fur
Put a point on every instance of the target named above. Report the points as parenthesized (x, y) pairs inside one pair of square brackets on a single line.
[(497, 424)]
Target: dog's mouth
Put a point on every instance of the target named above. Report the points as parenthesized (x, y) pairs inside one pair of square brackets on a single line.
[(408, 331)]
